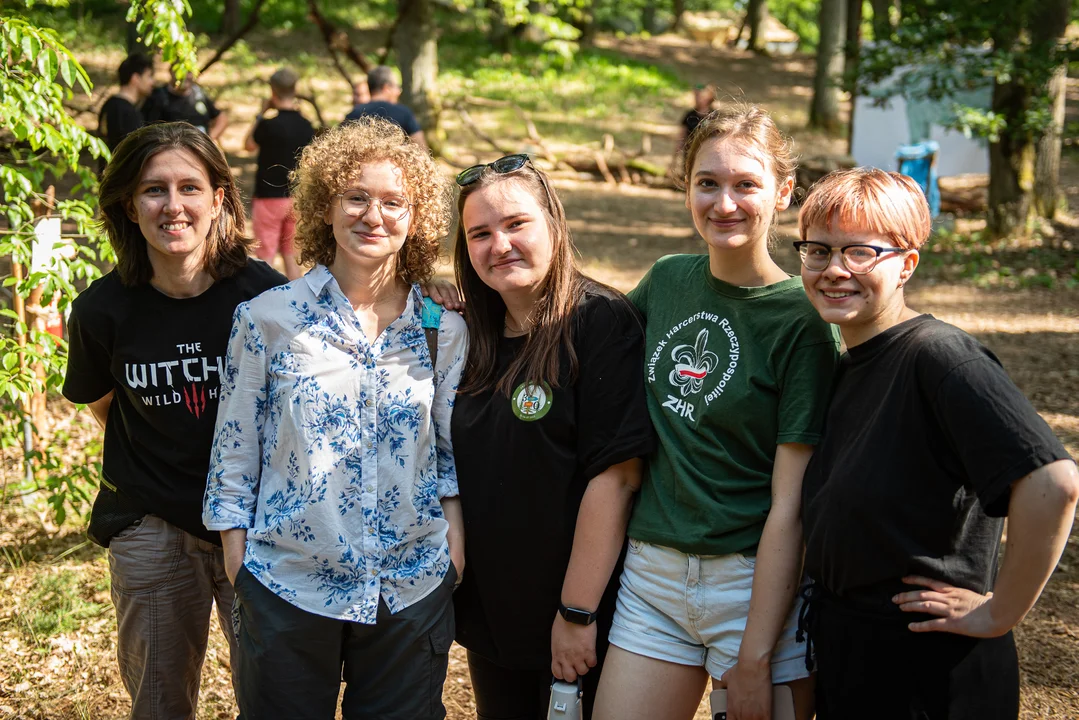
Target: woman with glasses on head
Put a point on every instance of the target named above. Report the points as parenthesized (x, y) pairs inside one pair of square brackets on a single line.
[(332, 475), (146, 353), (548, 428), (738, 370), (928, 446)]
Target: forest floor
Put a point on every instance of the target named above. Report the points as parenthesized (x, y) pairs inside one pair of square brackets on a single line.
[(57, 626)]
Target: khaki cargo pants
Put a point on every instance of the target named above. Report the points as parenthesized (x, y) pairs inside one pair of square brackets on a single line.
[(164, 582)]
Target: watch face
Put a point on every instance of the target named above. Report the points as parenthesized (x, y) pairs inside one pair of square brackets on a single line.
[(578, 617)]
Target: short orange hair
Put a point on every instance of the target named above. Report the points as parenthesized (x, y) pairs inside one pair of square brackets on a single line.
[(886, 203)]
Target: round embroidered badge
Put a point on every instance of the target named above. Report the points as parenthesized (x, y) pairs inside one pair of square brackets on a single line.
[(531, 402)]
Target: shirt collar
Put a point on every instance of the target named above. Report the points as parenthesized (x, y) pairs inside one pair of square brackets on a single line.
[(318, 277)]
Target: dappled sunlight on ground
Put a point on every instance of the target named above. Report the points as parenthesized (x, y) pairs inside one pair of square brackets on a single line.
[(54, 670)]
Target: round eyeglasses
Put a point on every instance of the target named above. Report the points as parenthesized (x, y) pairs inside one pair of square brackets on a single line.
[(356, 203), (503, 165), (858, 259)]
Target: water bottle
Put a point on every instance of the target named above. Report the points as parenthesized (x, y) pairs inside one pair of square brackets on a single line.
[(565, 700)]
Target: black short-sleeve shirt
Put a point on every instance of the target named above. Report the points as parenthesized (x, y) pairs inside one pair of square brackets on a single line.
[(523, 464), (280, 140), (691, 120), (394, 112), (196, 108), (924, 437), (118, 119), (164, 357)]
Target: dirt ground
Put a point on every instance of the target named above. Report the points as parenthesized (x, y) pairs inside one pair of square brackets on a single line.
[(57, 628)]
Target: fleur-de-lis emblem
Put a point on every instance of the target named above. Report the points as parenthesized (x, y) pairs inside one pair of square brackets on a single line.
[(692, 364)]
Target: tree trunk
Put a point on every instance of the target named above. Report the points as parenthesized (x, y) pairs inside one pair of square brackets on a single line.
[(756, 16), (824, 110), (1048, 25), (882, 19), (416, 45), (648, 17), (499, 33), (1011, 167), (132, 39), (679, 11), (230, 17), (851, 51), (1047, 197), (586, 23)]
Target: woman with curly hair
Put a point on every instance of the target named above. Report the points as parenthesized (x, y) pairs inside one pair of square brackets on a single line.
[(332, 476), (147, 345)]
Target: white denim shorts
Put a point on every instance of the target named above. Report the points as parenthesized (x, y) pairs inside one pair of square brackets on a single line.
[(692, 610)]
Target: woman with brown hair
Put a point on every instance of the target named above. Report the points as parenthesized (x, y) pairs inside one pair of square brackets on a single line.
[(738, 372), (146, 353), (548, 428), (332, 475)]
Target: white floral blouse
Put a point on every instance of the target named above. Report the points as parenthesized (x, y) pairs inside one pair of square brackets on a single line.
[(334, 451)]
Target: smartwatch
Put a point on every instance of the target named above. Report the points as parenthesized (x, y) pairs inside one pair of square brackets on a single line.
[(576, 616)]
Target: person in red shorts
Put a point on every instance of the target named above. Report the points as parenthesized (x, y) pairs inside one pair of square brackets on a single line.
[(278, 140)]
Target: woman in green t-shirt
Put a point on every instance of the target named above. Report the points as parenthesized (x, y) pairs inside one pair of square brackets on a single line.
[(738, 369)]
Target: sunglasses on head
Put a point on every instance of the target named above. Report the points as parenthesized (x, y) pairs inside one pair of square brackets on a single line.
[(503, 165)]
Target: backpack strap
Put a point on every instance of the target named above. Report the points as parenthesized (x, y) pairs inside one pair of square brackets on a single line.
[(430, 319)]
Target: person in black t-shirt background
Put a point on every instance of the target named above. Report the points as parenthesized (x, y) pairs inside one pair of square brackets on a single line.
[(928, 445), (146, 354), (278, 140), (548, 429), (383, 91), (120, 115), (185, 101), (704, 98)]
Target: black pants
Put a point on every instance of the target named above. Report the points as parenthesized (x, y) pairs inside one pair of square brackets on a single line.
[(506, 694), (291, 662), (869, 667)]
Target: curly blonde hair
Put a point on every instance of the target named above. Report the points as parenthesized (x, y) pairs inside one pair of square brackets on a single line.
[(336, 158)]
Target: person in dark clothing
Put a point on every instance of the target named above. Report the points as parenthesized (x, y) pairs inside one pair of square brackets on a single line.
[(147, 356), (185, 101), (278, 140), (120, 115), (385, 90), (704, 98), (928, 445), (549, 427)]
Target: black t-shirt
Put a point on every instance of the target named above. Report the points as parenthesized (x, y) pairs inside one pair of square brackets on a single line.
[(691, 120), (924, 437), (280, 140), (523, 464), (118, 119), (394, 112), (164, 357), (196, 108)]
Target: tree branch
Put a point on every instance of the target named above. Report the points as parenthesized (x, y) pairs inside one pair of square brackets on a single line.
[(252, 21), (337, 39)]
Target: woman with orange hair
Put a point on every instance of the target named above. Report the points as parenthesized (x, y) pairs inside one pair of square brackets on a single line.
[(928, 446)]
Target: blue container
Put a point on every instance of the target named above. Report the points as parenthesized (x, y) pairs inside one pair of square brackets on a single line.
[(919, 162)]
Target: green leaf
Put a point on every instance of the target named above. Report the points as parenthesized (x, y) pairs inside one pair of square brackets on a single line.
[(67, 72), (10, 360)]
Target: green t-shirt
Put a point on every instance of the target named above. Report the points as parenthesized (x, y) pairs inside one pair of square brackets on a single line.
[(731, 372)]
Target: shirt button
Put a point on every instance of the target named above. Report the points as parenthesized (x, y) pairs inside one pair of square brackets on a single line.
[(370, 402), (371, 530), (369, 444)]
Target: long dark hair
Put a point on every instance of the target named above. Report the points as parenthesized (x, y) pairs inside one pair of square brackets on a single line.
[(562, 291), (226, 246)]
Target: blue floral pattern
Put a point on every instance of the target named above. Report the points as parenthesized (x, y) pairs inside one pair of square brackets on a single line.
[(334, 451)]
